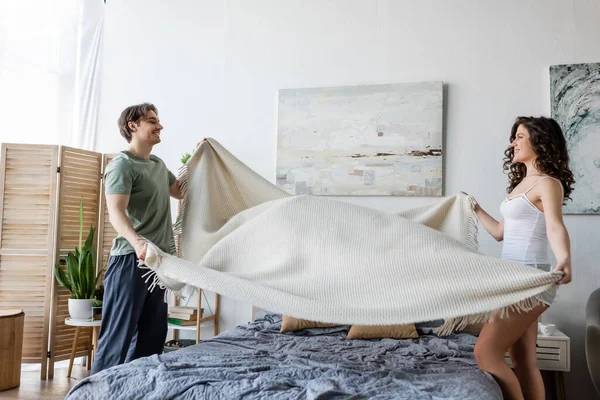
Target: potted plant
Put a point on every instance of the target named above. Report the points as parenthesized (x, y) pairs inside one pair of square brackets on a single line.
[(185, 158), (80, 278), (97, 304)]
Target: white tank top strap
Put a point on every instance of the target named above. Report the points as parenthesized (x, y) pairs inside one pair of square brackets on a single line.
[(538, 181), (541, 179), (562, 189)]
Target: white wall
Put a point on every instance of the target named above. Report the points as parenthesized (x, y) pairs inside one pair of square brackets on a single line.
[(213, 68)]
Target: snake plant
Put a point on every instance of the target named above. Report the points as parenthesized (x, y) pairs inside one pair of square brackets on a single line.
[(79, 276)]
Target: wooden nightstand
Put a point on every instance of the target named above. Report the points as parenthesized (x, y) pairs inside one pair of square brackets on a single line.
[(553, 354)]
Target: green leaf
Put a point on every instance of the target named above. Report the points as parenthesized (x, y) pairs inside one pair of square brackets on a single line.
[(86, 273), (83, 277), (80, 221), (62, 278), (73, 272), (89, 242), (90, 278), (185, 158)]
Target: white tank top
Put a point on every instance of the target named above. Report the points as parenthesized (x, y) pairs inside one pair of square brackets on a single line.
[(525, 238)]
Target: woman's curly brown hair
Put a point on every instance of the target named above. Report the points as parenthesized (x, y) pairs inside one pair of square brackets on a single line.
[(550, 146)]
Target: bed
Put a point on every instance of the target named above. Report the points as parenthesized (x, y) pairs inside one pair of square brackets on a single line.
[(256, 361)]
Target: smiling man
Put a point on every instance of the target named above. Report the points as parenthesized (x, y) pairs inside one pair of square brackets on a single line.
[(138, 187)]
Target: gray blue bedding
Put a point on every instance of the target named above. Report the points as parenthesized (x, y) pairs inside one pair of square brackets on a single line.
[(257, 362)]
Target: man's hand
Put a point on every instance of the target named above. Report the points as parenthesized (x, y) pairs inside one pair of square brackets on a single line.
[(175, 190), (200, 142), (140, 249)]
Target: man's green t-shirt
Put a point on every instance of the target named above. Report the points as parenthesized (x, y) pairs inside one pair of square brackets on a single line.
[(147, 183)]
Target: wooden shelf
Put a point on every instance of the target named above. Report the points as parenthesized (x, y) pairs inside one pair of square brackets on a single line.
[(192, 327), (214, 318)]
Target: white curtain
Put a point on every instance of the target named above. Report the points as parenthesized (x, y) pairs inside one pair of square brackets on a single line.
[(50, 61)]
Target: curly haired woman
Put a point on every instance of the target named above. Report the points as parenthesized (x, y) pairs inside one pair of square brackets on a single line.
[(540, 181)]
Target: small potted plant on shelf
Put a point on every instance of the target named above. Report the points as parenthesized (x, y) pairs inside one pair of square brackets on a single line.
[(97, 304), (185, 158), (78, 276)]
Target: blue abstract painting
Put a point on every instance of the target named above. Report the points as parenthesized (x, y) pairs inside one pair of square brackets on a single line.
[(369, 140), (575, 96)]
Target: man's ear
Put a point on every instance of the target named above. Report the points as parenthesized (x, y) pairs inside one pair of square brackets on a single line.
[(133, 126)]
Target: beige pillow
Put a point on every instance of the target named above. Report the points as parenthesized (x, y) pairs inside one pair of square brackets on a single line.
[(291, 324), (408, 331)]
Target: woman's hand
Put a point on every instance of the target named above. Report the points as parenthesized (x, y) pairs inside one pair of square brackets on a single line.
[(493, 227), (476, 205), (565, 267)]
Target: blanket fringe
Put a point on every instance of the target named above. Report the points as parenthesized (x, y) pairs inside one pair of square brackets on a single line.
[(178, 229), (152, 279), (473, 225), (459, 323)]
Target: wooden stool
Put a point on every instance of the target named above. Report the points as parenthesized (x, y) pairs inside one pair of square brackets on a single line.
[(11, 347)]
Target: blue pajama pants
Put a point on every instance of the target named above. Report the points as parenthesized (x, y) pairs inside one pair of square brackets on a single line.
[(129, 308)]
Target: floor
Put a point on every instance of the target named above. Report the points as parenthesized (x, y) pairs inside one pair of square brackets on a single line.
[(32, 387)]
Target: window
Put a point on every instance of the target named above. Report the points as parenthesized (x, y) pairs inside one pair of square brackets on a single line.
[(49, 71)]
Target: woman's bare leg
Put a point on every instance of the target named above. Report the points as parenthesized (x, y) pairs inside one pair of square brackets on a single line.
[(524, 359), (495, 339)]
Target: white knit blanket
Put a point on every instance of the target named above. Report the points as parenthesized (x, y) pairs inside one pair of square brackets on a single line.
[(322, 259)]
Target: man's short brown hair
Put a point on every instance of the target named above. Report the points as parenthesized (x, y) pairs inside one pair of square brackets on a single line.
[(133, 114)]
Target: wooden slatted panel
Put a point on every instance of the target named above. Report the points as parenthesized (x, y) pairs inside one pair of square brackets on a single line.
[(28, 183), (106, 232), (79, 179)]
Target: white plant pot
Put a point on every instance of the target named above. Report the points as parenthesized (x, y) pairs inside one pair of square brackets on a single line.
[(80, 309)]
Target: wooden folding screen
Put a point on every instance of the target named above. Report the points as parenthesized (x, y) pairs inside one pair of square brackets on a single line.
[(27, 225), (79, 177), (40, 190), (106, 232)]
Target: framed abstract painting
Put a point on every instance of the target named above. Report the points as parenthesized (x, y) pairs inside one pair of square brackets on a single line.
[(575, 97), (373, 140)]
